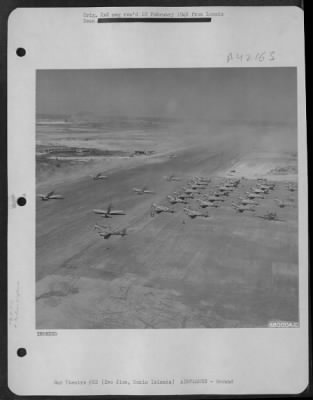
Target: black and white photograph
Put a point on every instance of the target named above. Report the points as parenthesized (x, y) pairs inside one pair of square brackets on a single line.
[(166, 198)]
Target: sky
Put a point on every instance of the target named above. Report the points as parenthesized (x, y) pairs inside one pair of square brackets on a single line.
[(219, 94)]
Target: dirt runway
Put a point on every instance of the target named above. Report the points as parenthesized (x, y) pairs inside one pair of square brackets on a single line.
[(169, 271), (65, 227)]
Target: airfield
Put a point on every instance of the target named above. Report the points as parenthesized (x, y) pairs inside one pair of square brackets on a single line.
[(225, 270)]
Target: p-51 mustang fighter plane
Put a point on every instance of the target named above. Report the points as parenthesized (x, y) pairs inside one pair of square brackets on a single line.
[(175, 200), (50, 196), (242, 208), (108, 213), (246, 202), (106, 232), (194, 214), (144, 190), (155, 209), (204, 203), (98, 176), (224, 189), (291, 187), (266, 186), (199, 183), (190, 191), (283, 204), (202, 179), (172, 178), (270, 216), (183, 195), (254, 195), (214, 197), (260, 191), (196, 186)]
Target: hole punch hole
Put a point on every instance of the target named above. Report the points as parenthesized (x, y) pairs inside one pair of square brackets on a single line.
[(21, 352), (21, 201), (21, 52)]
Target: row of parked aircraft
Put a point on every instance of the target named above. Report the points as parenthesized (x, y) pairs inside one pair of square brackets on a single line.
[(220, 194), (257, 194), (194, 187), (193, 190)]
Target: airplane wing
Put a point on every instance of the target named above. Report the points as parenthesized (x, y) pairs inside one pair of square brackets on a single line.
[(152, 210), (121, 231), (105, 235), (99, 211), (109, 208), (102, 227), (50, 193)]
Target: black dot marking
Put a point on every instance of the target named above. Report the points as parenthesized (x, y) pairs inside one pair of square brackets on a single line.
[(21, 201), (21, 52), (21, 352)]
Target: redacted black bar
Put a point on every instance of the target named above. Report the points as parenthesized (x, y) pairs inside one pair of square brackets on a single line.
[(160, 20)]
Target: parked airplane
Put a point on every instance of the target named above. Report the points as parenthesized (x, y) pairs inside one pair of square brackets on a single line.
[(225, 188), (246, 202), (242, 208), (254, 196), (172, 178), (204, 203), (219, 194), (108, 233), (260, 191), (144, 190), (175, 200), (202, 179), (156, 209), (265, 186), (196, 186), (183, 195), (283, 204), (291, 187), (190, 191), (98, 176), (50, 196), (199, 183), (108, 213), (215, 197), (194, 214), (234, 182), (270, 216)]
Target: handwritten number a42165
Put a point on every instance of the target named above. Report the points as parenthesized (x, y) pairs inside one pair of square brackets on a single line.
[(249, 57)]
